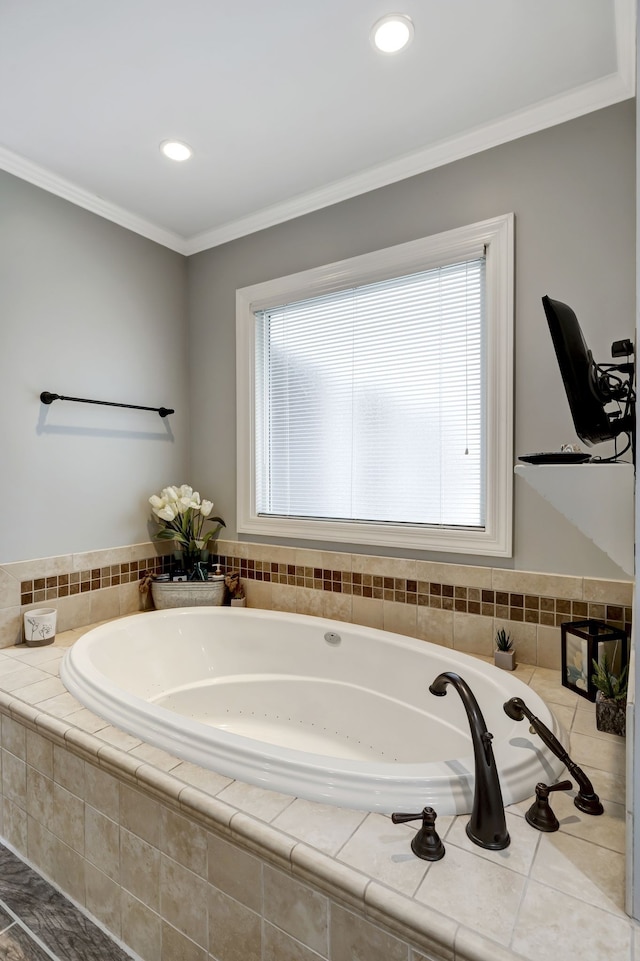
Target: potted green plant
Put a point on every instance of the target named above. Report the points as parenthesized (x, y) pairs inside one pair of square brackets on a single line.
[(504, 655), (611, 697)]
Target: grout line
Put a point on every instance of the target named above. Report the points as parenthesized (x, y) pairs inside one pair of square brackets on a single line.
[(34, 937), (525, 889)]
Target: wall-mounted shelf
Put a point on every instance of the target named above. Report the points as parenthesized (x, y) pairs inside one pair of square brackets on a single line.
[(596, 498)]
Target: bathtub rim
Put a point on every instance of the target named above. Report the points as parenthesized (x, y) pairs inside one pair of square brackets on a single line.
[(360, 785)]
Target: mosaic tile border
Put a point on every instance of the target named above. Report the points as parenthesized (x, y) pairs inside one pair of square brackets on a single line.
[(528, 608), (79, 582), (550, 611)]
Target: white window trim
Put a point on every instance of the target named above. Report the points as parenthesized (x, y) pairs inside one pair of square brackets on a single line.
[(496, 237)]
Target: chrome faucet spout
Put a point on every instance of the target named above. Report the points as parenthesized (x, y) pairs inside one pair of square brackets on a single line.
[(487, 826)]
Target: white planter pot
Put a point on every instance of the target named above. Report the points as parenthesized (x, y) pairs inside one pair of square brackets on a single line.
[(238, 602), (506, 660), (40, 626)]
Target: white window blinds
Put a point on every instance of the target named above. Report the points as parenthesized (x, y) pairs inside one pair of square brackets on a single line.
[(369, 402)]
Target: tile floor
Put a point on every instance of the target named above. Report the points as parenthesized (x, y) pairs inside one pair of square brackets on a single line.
[(38, 924)]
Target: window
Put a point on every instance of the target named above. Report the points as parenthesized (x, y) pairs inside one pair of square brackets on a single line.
[(375, 397)]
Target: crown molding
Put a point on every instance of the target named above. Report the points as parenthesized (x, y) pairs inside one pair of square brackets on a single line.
[(582, 100), (41, 177)]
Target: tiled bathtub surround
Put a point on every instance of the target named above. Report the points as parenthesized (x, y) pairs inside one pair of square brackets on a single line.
[(41, 589), (84, 588), (509, 605), (183, 863), (455, 605)]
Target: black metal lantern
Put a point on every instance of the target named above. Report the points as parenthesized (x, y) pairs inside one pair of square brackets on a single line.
[(584, 642)]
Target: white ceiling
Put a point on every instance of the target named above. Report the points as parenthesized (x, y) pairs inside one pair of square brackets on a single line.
[(286, 104)]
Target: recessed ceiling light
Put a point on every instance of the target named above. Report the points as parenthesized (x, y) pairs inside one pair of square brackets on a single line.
[(175, 150), (392, 33)]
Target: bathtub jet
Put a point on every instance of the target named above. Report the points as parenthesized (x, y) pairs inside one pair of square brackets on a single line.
[(265, 698)]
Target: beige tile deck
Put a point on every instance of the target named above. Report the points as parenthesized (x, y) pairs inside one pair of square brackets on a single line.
[(545, 895)]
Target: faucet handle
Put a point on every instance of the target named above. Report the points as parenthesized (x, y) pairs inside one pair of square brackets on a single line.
[(426, 844), (401, 818), (540, 815), (560, 786)]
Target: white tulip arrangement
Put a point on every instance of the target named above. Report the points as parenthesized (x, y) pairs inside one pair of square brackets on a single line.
[(184, 514)]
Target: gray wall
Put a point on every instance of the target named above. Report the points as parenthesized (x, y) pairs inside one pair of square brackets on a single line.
[(90, 309), (87, 309), (572, 190)]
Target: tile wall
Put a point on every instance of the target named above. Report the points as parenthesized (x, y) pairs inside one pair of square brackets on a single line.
[(168, 869), (456, 605)]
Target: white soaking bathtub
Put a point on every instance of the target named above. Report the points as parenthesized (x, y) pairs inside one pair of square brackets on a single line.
[(319, 709)]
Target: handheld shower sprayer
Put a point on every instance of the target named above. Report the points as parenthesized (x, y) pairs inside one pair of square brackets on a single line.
[(586, 799)]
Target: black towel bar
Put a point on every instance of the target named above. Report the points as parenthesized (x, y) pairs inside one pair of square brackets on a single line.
[(47, 398)]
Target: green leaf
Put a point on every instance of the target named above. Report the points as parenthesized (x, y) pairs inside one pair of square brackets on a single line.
[(611, 685), (168, 535), (503, 640), (211, 535)]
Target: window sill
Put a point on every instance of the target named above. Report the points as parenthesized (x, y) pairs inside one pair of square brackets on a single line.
[(494, 543)]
